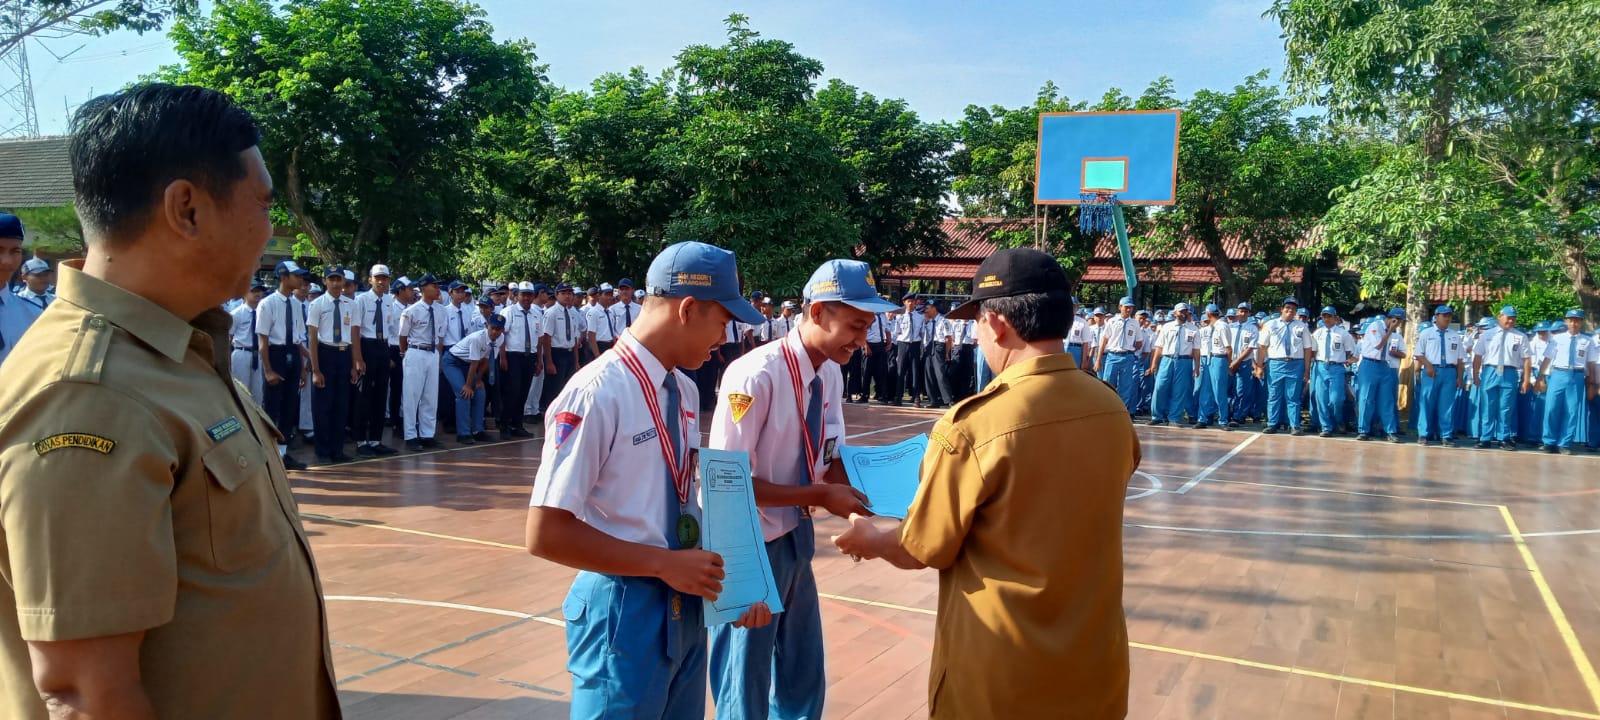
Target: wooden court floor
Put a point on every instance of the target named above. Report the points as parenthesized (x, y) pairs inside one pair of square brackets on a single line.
[(1266, 577)]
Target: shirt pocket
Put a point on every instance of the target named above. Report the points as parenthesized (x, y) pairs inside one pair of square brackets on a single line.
[(246, 524)]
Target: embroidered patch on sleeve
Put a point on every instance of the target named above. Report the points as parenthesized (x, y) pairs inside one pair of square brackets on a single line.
[(86, 441), (566, 423), (739, 404)]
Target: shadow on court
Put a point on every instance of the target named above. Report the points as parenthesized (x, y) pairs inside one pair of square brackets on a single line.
[(391, 706)]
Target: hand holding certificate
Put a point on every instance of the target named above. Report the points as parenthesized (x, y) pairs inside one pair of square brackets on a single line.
[(731, 528), (888, 474)]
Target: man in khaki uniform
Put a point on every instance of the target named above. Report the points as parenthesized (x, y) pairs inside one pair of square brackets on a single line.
[(1029, 555), (154, 564)]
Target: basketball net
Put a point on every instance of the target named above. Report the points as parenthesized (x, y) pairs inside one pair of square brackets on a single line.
[(1097, 213)]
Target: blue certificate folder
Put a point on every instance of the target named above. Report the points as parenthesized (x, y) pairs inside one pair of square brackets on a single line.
[(888, 474), (731, 528)]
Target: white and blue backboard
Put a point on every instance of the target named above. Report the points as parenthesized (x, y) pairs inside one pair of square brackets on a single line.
[(1131, 154)]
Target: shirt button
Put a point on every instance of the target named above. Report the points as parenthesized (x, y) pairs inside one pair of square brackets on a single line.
[(243, 463), (97, 323)]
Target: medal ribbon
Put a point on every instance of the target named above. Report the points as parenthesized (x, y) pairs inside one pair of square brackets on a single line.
[(675, 466), (793, 361)]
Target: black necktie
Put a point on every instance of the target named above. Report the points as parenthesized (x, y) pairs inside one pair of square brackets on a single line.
[(627, 314), (255, 355), (377, 322), (461, 320), (527, 336), (431, 333), (338, 323)]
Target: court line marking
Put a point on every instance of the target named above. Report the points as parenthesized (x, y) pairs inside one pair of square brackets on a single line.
[(408, 531), (408, 454), (891, 429), (449, 606), (1186, 487), (1585, 668), (1155, 486)]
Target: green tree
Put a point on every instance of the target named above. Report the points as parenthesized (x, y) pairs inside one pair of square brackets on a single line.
[(371, 113), (1251, 174), (47, 19), (56, 229), (767, 182)]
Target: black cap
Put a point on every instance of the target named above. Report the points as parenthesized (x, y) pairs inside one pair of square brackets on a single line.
[(1009, 273)]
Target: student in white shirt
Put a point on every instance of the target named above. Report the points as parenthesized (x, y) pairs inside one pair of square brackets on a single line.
[(936, 357), (245, 360), (783, 403), (1439, 354), (1176, 366), (278, 325), (519, 361), (331, 325), (1335, 349), (466, 369), (374, 314), (563, 326), (1501, 361), (1565, 372), (1242, 366), (421, 340), (1378, 376), (626, 513), (1283, 353)]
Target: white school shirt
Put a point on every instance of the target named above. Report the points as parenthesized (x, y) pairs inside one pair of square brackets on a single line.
[(908, 327), (1560, 348), (419, 328), (324, 316), (475, 319), (1500, 347), (392, 308), (240, 332), (1245, 336), (878, 331), (772, 426), (1397, 342), (1334, 344), (456, 322), (597, 318), (367, 310), (475, 346), (961, 332), (278, 318), (523, 328), (564, 325), (602, 460), (623, 314), (1443, 349), (1216, 339), (38, 300), (1149, 347), (1075, 335), (781, 326), (1272, 335), (1177, 339), (1121, 333)]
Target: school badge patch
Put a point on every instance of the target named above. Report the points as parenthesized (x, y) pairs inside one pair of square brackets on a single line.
[(566, 423), (101, 445), (740, 404)]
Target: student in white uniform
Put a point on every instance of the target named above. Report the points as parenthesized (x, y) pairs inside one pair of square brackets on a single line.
[(331, 325), (1176, 366), (36, 284), (1334, 350), (1440, 351), (519, 360), (626, 513), (1565, 369), (543, 302), (278, 325), (563, 325), (246, 357), (600, 326), (784, 404), (421, 340), (624, 310), (1283, 352), (303, 406), (375, 315), (466, 369)]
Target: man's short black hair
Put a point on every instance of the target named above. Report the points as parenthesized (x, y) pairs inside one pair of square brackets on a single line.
[(129, 145), (1035, 316)]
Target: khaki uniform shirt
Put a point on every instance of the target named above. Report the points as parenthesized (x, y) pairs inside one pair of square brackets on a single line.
[(1029, 549), (139, 491)]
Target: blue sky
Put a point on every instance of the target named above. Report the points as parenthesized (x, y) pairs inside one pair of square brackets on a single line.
[(939, 55)]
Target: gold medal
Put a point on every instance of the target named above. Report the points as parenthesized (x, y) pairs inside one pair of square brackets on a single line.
[(688, 532)]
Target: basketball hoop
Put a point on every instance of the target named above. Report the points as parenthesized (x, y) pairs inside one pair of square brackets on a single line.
[(1097, 213)]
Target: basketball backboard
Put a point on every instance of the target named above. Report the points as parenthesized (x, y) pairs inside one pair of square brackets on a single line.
[(1132, 154)]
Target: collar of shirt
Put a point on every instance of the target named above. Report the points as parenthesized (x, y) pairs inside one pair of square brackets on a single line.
[(1044, 364), (145, 320), (652, 367)]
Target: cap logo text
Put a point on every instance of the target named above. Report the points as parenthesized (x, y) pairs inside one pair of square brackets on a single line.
[(990, 281)]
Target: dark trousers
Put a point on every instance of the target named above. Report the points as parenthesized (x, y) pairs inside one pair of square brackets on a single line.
[(853, 372), (936, 376), (397, 382), (908, 360), (961, 378), (374, 391), (331, 402), (586, 357), (705, 379), (566, 362), (282, 401), (447, 402), (877, 372), (514, 383)]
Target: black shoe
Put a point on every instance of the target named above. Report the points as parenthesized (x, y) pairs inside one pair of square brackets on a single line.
[(1393, 438), (520, 433), (1450, 443), (1566, 451), (1324, 433), (1232, 425), (1297, 432), (1156, 423), (1270, 430), (465, 440), (290, 463), (505, 435), (1508, 444), (365, 451), (384, 449), (324, 460), (1548, 448), (1483, 444), (1201, 426), (481, 436), (414, 446), (341, 458), (428, 442), (1363, 437)]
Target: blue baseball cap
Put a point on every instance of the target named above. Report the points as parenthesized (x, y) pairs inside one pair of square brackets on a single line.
[(1443, 310), (426, 279), (486, 302), (1291, 301), (1508, 311), (625, 282), (1303, 313), (1574, 314), (1243, 306), (333, 271), (1125, 302), (497, 321), (1212, 309), (290, 267), (1397, 313), (1485, 322), (1145, 313), (563, 287), (10, 226), (1182, 307), (1328, 310), (703, 272), (1099, 311), (849, 282), (34, 266), (1261, 316)]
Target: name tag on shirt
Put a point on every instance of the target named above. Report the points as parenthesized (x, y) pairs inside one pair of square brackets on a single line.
[(1338, 344)]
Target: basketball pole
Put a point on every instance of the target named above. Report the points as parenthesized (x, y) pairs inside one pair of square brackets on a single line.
[(1121, 226)]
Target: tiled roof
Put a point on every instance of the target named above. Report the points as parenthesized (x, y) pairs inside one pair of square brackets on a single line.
[(970, 239), (1099, 272), (35, 172)]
